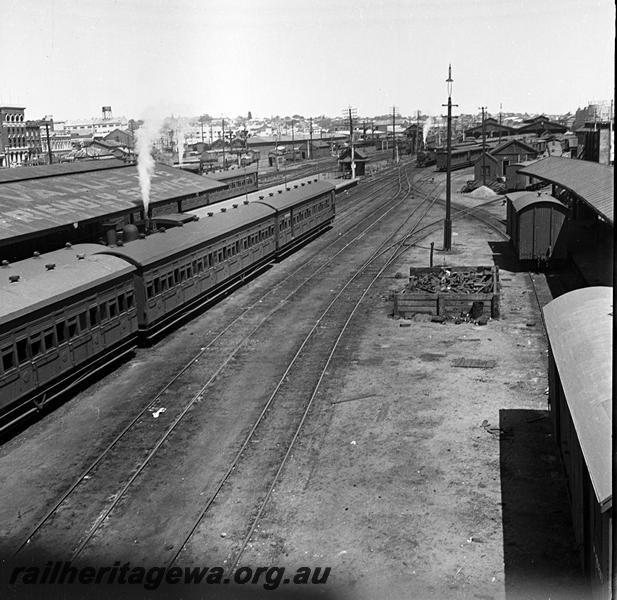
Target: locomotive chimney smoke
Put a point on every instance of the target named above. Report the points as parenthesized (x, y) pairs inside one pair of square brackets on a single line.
[(145, 136), (426, 128)]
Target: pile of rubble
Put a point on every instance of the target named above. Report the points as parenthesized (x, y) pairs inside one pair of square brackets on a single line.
[(456, 282)]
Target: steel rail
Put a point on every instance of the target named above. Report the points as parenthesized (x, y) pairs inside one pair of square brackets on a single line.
[(126, 429)]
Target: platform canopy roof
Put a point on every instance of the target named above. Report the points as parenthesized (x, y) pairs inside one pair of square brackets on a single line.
[(590, 181), (579, 325), (31, 206)]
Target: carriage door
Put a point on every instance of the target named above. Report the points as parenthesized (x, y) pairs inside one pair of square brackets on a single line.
[(542, 231)]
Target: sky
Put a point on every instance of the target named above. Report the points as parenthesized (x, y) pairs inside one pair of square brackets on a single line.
[(68, 58)]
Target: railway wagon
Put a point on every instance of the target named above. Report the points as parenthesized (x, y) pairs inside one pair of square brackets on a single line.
[(182, 269), (579, 326), (67, 314), (461, 157), (63, 315), (179, 270), (537, 225), (302, 211)]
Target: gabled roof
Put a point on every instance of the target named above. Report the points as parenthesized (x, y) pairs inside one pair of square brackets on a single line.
[(579, 325), (592, 182), (487, 156), (526, 147), (490, 123)]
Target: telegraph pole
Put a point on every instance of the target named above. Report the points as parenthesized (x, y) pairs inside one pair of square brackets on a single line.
[(393, 133), (293, 149), (500, 107), (223, 126), (447, 225), (483, 108), (310, 148), (351, 113)]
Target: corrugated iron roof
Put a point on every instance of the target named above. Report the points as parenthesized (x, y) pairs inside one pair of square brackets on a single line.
[(38, 287), (592, 182), (179, 240), (24, 173), (579, 326), (32, 205), (521, 200)]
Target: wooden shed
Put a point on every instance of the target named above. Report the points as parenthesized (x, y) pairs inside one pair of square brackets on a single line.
[(536, 224), (579, 326)]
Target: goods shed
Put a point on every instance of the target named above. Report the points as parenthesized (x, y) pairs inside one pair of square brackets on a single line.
[(579, 325), (536, 224), (53, 205)]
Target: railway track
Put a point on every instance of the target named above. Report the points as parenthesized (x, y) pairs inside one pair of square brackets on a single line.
[(81, 496)]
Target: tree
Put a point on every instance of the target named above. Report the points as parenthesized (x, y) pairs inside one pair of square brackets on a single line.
[(249, 116)]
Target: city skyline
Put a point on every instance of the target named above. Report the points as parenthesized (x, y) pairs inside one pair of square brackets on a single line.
[(190, 58)]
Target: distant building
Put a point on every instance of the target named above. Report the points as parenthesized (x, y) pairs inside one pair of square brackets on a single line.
[(96, 127), (13, 137), (596, 142), (492, 129)]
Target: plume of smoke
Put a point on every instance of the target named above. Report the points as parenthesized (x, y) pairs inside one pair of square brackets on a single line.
[(426, 128), (180, 128), (145, 137)]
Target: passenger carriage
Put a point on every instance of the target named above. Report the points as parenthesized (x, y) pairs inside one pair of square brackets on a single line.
[(63, 315)]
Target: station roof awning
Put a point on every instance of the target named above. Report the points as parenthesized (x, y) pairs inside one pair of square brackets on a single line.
[(31, 206), (579, 325), (590, 181)]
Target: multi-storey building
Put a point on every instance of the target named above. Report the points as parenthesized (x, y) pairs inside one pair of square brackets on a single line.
[(13, 137)]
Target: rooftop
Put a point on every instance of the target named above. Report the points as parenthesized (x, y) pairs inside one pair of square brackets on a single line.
[(579, 326), (590, 181), (29, 206)]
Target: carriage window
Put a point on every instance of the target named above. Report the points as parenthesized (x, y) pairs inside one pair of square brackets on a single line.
[(170, 280), (176, 277), (103, 311), (149, 290), (61, 332), (237, 247), (113, 308), (72, 326), (157, 285), (83, 321), (8, 358), (94, 315), (130, 300), (36, 345), (121, 303), (49, 338), (22, 350)]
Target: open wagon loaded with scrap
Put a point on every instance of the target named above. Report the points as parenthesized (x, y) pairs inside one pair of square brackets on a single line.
[(457, 292)]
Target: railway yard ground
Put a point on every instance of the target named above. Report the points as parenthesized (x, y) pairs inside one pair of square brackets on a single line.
[(406, 476)]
